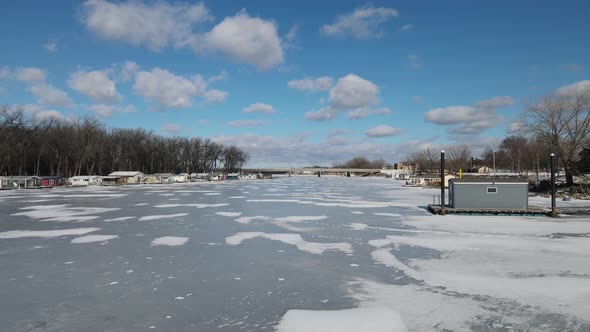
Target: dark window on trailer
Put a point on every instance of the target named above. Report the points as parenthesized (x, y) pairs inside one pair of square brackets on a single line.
[(492, 190)]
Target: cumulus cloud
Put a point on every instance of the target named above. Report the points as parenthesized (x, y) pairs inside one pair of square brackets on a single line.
[(359, 113), (128, 71), (382, 111), (246, 123), (259, 108), (323, 114), (171, 128), (96, 85), (362, 23), (338, 132), (51, 46), (39, 113), (244, 39), (107, 111), (49, 95), (574, 89), (292, 34), (222, 76), (167, 89), (406, 27), (352, 91), (414, 62), (215, 96), (4, 73), (31, 75), (323, 83), (470, 119), (383, 131), (155, 24), (514, 127)]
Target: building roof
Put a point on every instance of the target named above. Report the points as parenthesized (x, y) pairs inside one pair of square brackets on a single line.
[(165, 175), (20, 177), (125, 173), (84, 177), (489, 180)]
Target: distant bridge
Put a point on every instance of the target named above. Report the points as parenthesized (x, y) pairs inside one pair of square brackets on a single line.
[(312, 170)]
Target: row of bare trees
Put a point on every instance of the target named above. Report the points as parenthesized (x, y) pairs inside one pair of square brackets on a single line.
[(361, 162), (558, 123), (85, 146)]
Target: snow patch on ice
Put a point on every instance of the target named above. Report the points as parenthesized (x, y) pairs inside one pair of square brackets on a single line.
[(93, 238), (162, 216), (296, 240), (374, 319), (120, 219), (229, 214), (16, 234), (300, 218), (170, 241), (198, 206), (247, 220), (358, 226), (356, 212)]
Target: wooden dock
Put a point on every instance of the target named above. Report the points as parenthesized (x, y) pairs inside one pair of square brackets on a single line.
[(435, 209)]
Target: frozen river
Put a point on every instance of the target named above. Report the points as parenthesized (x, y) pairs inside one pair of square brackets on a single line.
[(290, 254)]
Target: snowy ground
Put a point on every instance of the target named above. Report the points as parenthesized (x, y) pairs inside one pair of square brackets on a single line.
[(290, 254)]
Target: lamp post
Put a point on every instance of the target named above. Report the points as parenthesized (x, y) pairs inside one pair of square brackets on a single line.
[(442, 183), (494, 161), (553, 207)]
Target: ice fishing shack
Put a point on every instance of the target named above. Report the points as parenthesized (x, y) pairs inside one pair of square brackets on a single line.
[(488, 193)]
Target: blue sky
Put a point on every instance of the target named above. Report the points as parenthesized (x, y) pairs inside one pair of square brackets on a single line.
[(322, 81)]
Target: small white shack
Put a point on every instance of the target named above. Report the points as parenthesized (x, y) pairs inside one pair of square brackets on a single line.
[(85, 180), (182, 177), (129, 177)]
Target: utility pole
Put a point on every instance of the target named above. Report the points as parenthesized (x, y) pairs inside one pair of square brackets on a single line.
[(494, 161), (553, 205), (442, 183)]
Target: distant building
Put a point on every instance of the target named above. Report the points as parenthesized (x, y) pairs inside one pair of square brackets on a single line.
[(484, 170), (429, 180), (52, 181), (85, 180), (164, 177), (129, 177), (9, 182), (182, 177), (488, 193)]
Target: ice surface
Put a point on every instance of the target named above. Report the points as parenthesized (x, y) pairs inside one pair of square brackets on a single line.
[(170, 241), (46, 234), (163, 216), (344, 203), (198, 206), (247, 220), (300, 218), (229, 214), (373, 319), (62, 212), (120, 219), (93, 238), (292, 239)]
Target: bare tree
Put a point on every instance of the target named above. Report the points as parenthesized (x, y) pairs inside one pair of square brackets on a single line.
[(562, 122), (459, 157)]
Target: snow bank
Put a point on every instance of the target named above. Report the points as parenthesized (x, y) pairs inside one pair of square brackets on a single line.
[(46, 234), (162, 216), (292, 239), (375, 319), (93, 238), (170, 241)]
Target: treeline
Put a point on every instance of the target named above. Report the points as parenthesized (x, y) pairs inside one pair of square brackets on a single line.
[(85, 146), (558, 123), (361, 162)]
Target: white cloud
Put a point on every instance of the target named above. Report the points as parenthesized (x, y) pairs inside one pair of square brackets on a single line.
[(323, 114), (155, 24), (470, 119), (107, 111), (215, 96), (382, 111), (383, 131), (292, 34), (4, 73), (572, 68), (260, 108), (362, 23), (222, 76), (31, 75), (171, 128), (51, 46), (244, 39), (514, 127), (246, 123), (338, 132), (323, 83), (574, 89), (359, 113), (407, 27), (96, 85), (414, 62), (166, 89), (352, 92), (49, 95), (38, 113), (128, 71), (495, 102)]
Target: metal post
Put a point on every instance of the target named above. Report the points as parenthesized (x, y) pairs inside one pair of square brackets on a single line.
[(553, 205), (494, 161), (442, 183)]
